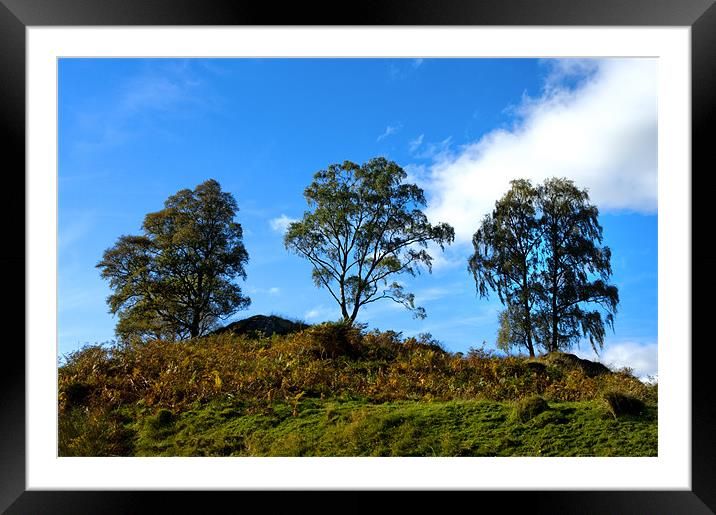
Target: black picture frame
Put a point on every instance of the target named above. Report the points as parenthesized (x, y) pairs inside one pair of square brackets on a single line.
[(17, 15)]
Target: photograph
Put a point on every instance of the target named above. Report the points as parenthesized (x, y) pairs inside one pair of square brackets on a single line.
[(412, 247), (353, 257)]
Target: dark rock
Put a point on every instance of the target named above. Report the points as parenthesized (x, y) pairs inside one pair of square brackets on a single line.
[(567, 362), (258, 325)]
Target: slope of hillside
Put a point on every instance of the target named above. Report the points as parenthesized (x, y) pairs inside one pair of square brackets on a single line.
[(332, 389)]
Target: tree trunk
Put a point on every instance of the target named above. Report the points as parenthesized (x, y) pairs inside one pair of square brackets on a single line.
[(344, 307), (528, 329), (555, 320), (194, 327), (354, 315), (528, 318)]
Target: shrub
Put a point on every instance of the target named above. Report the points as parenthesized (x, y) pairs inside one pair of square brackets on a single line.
[(335, 339), (620, 404), (529, 407)]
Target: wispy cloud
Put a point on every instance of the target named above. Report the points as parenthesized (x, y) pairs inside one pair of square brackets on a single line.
[(389, 131), (413, 145), (595, 122), (436, 293), (320, 313), (274, 290), (401, 69), (167, 89), (90, 176), (74, 230), (280, 224), (451, 258), (435, 150)]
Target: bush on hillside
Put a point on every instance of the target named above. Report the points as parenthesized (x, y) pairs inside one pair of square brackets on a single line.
[(331, 340), (529, 407), (620, 404)]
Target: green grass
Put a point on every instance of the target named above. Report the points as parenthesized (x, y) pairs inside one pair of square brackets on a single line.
[(402, 428)]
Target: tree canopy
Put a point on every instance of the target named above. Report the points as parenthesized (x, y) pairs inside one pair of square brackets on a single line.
[(176, 279), (364, 227), (540, 250)]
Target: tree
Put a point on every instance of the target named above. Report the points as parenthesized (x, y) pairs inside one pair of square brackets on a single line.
[(540, 250), (176, 280), (576, 268), (365, 226), (506, 259)]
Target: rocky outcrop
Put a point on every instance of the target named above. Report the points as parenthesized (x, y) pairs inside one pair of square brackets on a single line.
[(569, 362), (259, 325)]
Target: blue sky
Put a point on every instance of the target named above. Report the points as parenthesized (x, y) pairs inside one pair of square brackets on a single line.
[(134, 131)]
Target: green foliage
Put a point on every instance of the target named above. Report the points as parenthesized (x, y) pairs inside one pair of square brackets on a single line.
[(175, 280), (540, 250), (365, 226)]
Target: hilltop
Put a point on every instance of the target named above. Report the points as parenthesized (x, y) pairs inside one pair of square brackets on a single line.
[(334, 389)]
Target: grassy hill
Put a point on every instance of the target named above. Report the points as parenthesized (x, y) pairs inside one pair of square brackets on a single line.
[(334, 390)]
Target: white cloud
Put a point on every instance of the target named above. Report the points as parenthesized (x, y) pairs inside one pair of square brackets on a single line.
[(389, 131), (281, 223), (601, 132), (642, 358)]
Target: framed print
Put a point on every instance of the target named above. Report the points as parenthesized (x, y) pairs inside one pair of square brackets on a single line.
[(100, 111)]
